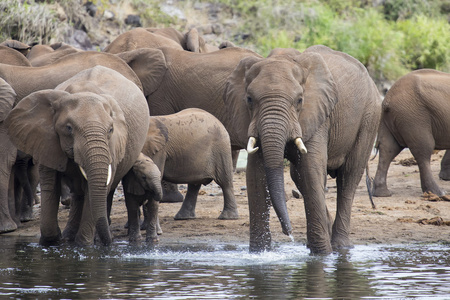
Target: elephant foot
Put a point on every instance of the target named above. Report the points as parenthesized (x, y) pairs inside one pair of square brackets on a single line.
[(172, 197), (320, 248), (50, 240), (152, 240), (229, 214), (7, 225), (341, 243), (69, 234), (185, 215), (27, 214), (444, 175), (381, 192), (135, 238)]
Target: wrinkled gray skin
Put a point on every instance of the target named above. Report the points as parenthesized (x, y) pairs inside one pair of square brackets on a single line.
[(96, 120), (20, 81), (143, 188), (42, 55), (174, 143), (159, 37), (327, 99), (415, 116)]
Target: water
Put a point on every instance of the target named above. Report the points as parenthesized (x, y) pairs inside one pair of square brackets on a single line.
[(226, 271)]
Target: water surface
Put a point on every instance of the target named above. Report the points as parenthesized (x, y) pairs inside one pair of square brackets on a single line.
[(224, 271)]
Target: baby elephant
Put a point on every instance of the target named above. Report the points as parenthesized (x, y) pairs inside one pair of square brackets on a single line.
[(192, 147), (142, 186)]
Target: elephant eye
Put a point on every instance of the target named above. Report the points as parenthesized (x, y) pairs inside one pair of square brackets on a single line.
[(300, 100), (249, 100), (111, 130), (69, 128)]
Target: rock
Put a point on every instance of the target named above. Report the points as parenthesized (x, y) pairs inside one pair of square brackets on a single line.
[(133, 20)]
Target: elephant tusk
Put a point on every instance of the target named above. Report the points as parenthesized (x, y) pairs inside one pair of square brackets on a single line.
[(109, 175), (251, 145), (300, 145), (83, 172)]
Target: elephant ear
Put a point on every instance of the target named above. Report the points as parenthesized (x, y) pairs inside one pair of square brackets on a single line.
[(320, 92), (149, 65), (7, 99), (193, 40), (119, 138), (16, 45), (157, 136), (31, 129), (234, 98)]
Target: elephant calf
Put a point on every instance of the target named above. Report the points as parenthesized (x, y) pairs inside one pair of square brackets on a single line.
[(193, 147)]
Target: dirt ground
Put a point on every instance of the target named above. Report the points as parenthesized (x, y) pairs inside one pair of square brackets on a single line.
[(401, 218)]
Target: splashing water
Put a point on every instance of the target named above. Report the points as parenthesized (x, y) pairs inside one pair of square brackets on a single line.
[(291, 237)]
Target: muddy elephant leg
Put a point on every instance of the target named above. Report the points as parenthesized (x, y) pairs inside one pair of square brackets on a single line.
[(444, 174), (152, 221), (50, 193), (8, 155), (187, 210), (230, 211), (75, 215), (171, 194), (347, 180), (309, 176), (388, 149), (427, 182), (258, 204)]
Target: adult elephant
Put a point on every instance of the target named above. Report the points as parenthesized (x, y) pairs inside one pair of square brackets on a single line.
[(415, 116), (20, 81), (41, 55), (320, 110), (159, 37), (89, 129)]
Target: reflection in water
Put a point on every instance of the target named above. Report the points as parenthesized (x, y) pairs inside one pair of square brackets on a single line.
[(182, 271)]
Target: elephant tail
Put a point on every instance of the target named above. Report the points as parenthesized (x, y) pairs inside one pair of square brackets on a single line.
[(369, 182)]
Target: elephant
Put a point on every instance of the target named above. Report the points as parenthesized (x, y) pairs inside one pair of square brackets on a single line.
[(159, 37), (320, 110), (90, 129), (13, 57), (23, 80), (17, 45), (144, 188), (42, 55), (173, 143), (174, 80), (414, 116)]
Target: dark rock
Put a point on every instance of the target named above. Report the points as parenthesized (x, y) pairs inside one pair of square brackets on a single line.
[(133, 20)]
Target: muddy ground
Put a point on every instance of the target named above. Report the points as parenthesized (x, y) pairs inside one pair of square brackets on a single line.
[(402, 218)]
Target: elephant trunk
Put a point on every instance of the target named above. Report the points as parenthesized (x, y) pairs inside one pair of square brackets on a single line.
[(97, 167), (274, 130)]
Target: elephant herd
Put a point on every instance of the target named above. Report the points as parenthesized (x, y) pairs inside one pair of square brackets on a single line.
[(158, 104)]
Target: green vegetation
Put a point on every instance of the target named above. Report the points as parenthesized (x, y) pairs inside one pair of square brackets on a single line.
[(389, 40)]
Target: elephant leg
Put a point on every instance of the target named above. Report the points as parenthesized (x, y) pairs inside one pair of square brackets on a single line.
[(187, 210), (258, 204), (444, 174), (423, 158), (24, 194), (8, 155), (50, 193), (75, 215), (309, 175), (230, 211), (132, 203), (171, 194), (152, 221), (388, 149), (348, 177)]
